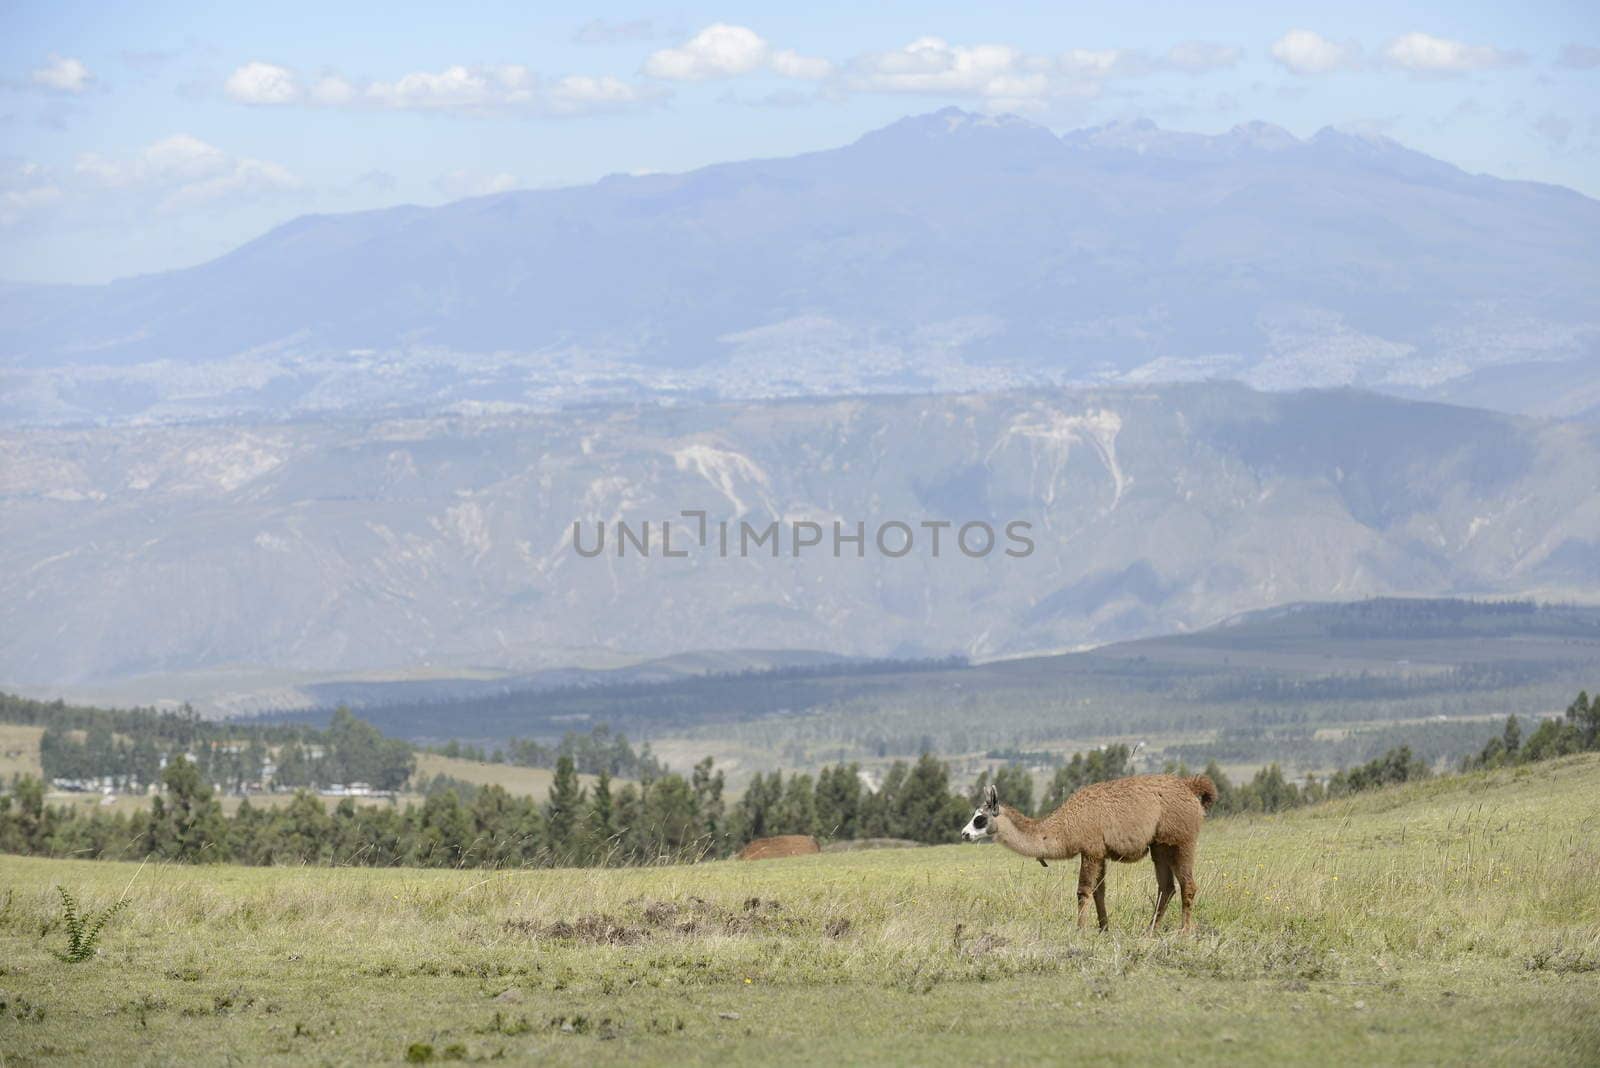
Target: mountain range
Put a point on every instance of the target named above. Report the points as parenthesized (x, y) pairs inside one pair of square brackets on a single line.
[(407, 544), (946, 252)]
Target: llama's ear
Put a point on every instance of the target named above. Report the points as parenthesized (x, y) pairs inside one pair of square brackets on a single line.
[(991, 797)]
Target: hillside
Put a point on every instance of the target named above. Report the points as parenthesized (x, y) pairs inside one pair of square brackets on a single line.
[(947, 251), (1315, 687), (1440, 922), (415, 544)]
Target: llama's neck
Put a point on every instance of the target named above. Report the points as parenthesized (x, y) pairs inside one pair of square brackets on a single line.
[(1024, 835)]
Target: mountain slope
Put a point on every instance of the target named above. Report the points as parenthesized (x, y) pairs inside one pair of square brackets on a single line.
[(327, 546), (989, 245)]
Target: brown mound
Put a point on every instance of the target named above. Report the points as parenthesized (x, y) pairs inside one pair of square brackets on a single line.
[(784, 845)]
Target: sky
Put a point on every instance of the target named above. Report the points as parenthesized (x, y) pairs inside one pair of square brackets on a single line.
[(140, 138)]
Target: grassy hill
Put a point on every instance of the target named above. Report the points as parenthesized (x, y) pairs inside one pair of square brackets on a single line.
[(1315, 687), (1438, 922)]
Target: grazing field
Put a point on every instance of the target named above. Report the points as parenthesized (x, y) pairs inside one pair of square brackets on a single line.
[(19, 750), (1449, 921)]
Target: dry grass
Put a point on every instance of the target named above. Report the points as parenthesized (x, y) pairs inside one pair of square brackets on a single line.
[(19, 750), (1435, 922), (530, 782)]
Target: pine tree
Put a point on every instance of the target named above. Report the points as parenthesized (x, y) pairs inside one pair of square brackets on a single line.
[(797, 812), (839, 801), (600, 824), (564, 812), (1512, 738), (1585, 715), (707, 784), (186, 822), (1012, 781), (926, 811)]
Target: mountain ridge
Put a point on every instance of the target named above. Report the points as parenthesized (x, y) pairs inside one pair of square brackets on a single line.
[(326, 545), (948, 251)]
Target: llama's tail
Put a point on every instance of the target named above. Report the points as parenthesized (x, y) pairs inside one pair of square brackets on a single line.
[(1204, 789)]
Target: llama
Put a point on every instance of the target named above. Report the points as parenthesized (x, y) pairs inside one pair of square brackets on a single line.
[(1118, 820)]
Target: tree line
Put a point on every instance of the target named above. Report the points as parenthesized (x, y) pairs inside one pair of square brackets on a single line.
[(662, 818), (669, 818), (130, 749), (1577, 731), (601, 751), (672, 817)]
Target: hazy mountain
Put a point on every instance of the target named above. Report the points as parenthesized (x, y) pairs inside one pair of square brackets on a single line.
[(411, 543), (946, 251)]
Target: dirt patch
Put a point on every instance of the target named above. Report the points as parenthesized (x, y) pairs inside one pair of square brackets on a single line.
[(661, 919), (981, 946), (595, 929)]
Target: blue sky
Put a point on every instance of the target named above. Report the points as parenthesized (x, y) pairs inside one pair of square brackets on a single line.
[(141, 140)]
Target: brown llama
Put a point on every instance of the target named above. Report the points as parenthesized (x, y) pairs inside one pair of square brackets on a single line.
[(1118, 820)]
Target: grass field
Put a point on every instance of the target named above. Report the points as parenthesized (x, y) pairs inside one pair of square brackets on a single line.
[(19, 750), (532, 782), (1448, 921)]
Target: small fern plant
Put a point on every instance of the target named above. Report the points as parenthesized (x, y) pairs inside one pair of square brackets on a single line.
[(83, 929)]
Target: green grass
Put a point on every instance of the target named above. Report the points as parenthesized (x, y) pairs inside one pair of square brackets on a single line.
[(1437, 922), (530, 782), (19, 750)]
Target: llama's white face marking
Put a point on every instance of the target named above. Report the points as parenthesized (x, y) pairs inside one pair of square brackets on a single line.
[(979, 827)]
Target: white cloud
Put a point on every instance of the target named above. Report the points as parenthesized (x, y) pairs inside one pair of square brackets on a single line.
[(17, 204), (63, 74), (506, 89), (461, 183), (25, 189), (184, 158), (1200, 57), (718, 51), (581, 94), (933, 65), (1306, 52), (245, 179), (1004, 77), (724, 51), (170, 161), (1427, 54), (457, 88), (1098, 64), (791, 64), (262, 83), (184, 172)]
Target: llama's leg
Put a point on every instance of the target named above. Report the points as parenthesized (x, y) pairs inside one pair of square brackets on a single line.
[(1090, 871), (1185, 866), (1166, 884), (1100, 897)]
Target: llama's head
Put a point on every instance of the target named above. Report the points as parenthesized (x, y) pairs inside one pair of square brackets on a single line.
[(981, 825)]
